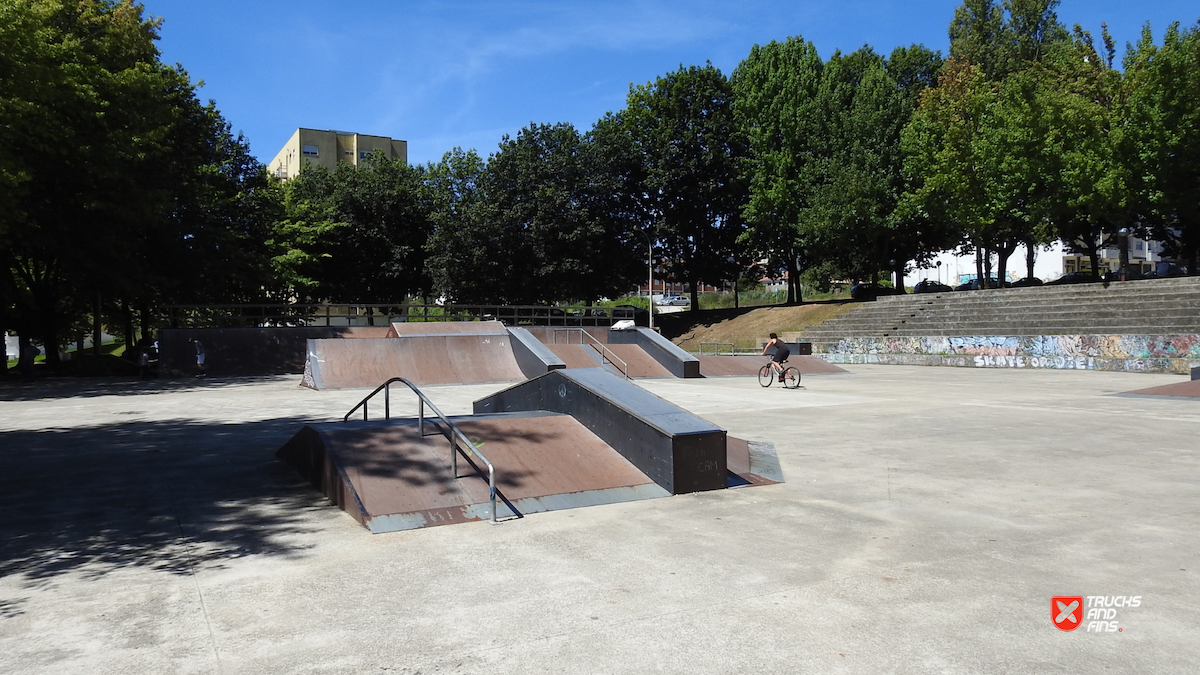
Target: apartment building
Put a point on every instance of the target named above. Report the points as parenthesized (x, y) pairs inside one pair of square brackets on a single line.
[(314, 147)]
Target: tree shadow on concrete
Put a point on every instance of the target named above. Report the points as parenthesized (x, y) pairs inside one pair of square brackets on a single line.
[(12, 389), (166, 496)]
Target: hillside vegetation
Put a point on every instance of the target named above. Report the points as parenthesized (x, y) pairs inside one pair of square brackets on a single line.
[(746, 328)]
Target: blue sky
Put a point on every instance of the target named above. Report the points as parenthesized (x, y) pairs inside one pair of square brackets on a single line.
[(445, 74)]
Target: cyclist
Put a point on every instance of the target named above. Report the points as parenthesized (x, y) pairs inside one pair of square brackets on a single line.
[(782, 352)]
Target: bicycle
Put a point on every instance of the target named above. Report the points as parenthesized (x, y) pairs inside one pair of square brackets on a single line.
[(791, 376)]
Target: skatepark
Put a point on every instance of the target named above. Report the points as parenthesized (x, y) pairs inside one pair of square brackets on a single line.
[(925, 519)]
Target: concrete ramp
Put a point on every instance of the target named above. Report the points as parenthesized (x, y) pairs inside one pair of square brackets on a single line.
[(421, 359), (388, 477)]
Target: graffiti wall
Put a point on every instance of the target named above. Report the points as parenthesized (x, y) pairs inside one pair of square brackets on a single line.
[(1137, 353)]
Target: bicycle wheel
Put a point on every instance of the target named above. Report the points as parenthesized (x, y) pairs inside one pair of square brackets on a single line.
[(791, 378), (765, 376)]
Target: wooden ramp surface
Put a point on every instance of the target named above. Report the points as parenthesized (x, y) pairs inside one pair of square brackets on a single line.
[(1190, 389), (421, 359), (639, 362), (390, 478)]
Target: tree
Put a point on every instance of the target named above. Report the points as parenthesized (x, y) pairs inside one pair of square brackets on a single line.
[(1164, 116), (683, 127), (981, 139), (1089, 147), (358, 233), (775, 89), (87, 109), (461, 262), (865, 104)]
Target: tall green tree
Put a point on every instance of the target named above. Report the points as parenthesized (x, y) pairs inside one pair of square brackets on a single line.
[(1164, 120), (358, 234), (87, 112), (683, 126), (775, 106), (1089, 149), (866, 102)]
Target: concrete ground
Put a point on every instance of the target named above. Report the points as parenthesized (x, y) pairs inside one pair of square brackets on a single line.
[(929, 517)]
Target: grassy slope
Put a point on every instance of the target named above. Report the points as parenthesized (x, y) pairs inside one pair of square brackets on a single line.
[(746, 328)]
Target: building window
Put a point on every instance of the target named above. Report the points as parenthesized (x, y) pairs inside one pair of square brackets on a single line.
[(363, 154), (309, 150)]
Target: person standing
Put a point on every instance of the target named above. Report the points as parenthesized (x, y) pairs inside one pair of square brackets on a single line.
[(201, 370)]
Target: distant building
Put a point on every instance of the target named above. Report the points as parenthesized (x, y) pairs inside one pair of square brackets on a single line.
[(312, 147)]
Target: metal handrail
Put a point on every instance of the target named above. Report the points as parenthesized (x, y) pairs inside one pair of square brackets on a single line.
[(716, 351), (450, 432), (599, 346)]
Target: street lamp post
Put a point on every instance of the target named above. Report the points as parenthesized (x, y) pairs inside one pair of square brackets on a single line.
[(650, 282), (1123, 242)]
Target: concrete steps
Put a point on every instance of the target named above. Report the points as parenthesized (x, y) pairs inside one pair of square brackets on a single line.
[(1145, 307)]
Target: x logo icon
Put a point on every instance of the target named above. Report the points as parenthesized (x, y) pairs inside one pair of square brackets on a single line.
[(1067, 612)]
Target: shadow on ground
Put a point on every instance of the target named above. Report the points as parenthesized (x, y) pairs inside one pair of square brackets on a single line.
[(13, 389), (167, 496)]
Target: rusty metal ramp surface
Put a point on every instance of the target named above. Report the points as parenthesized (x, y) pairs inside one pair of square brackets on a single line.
[(405, 328), (1187, 389), (421, 359), (389, 478), (576, 356), (722, 366)]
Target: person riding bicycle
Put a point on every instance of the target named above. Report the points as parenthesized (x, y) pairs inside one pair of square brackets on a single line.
[(782, 352)]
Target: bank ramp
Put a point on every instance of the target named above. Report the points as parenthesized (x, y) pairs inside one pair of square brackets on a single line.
[(568, 439), (453, 352)]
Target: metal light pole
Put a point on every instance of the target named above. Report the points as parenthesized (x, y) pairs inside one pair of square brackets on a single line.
[(650, 283), (1123, 241)]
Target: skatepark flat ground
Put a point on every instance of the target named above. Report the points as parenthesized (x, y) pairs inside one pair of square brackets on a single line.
[(928, 517)]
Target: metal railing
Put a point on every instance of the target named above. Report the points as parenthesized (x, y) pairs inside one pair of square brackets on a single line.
[(450, 431), (596, 344), (716, 352), (267, 315)]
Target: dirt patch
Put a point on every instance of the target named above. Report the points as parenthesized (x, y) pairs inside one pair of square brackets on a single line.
[(745, 328)]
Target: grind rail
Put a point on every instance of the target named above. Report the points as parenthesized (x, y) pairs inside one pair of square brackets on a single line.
[(599, 346), (449, 430)]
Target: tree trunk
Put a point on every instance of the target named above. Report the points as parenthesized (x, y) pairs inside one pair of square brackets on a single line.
[(792, 273), (127, 326), (144, 310), (986, 282), (1030, 257), (96, 336), (899, 272), (26, 356)]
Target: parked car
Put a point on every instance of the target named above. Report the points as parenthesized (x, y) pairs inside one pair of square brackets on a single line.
[(675, 300), (974, 285), (1165, 268), (930, 286), (872, 291), (1027, 282), (1074, 278)]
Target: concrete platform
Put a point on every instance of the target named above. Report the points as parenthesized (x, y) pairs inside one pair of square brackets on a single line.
[(929, 516)]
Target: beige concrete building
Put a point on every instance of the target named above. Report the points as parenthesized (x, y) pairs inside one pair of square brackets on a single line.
[(326, 148)]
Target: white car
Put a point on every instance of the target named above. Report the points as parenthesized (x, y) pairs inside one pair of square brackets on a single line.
[(680, 300)]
